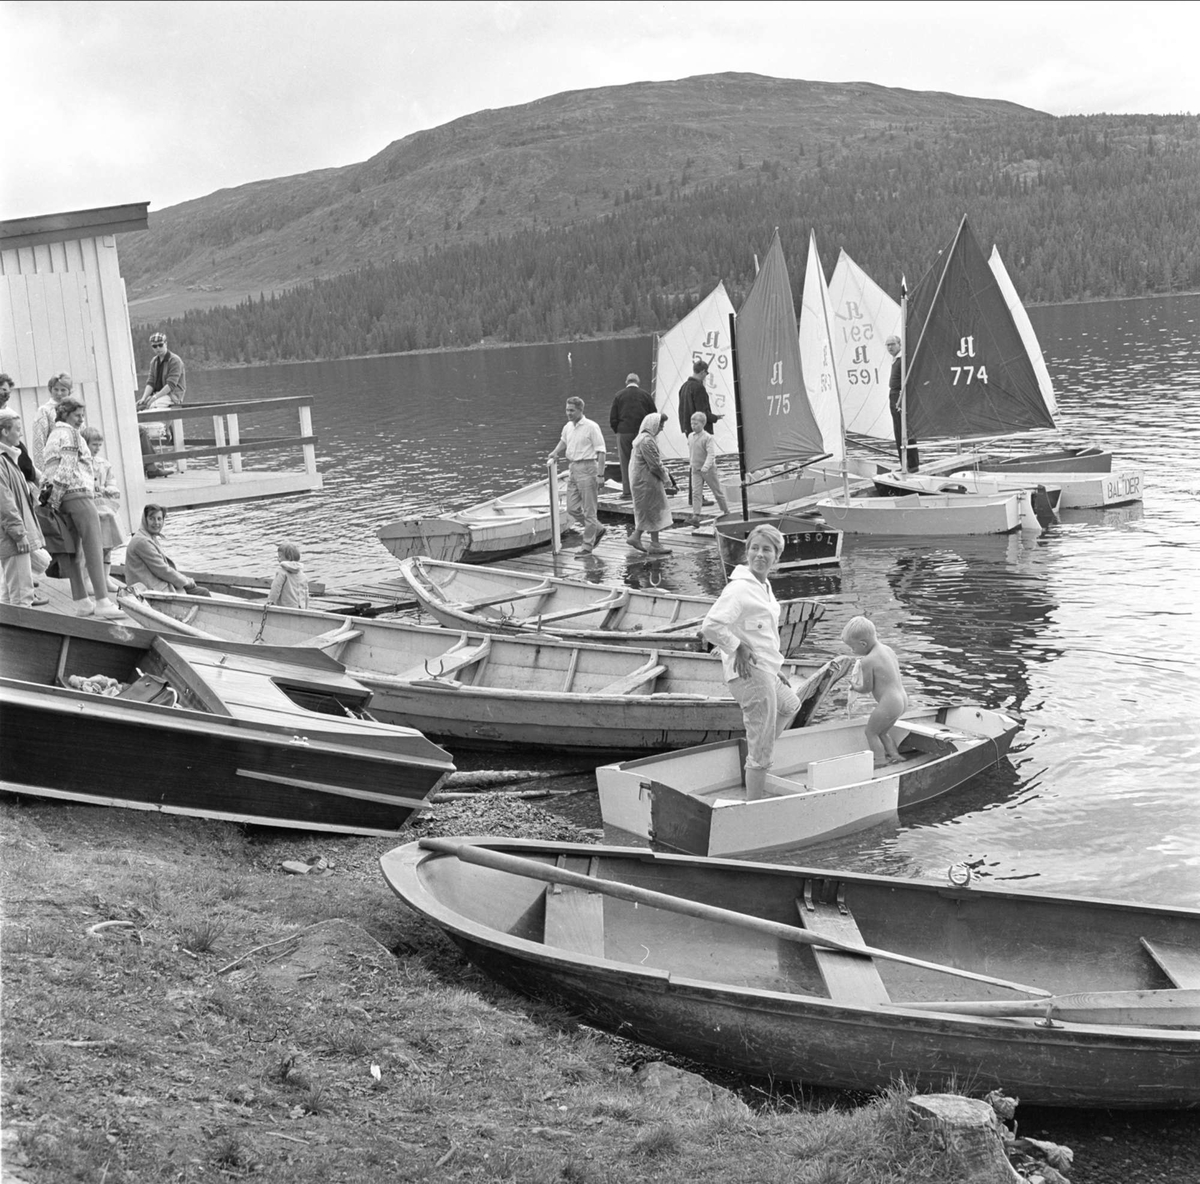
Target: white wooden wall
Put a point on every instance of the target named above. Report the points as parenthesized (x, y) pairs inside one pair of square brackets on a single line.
[(63, 308)]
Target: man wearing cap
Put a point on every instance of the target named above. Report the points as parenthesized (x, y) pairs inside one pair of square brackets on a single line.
[(895, 384), (629, 408), (166, 386), (693, 397)]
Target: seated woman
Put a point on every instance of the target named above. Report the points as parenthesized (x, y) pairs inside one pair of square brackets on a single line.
[(146, 562), (743, 624), (69, 486)]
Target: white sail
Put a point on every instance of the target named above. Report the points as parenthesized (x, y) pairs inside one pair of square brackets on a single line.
[(817, 357), (1025, 329), (864, 316), (703, 333)]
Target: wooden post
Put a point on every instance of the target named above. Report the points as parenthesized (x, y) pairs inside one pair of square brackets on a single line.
[(178, 444), (555, 508), (235, 437), (218, 422), (310, 451)]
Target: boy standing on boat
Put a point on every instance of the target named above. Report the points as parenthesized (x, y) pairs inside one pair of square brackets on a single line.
[(629, 408), (582, 443)]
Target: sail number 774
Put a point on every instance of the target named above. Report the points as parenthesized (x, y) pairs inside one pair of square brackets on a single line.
[(779, 404), (973, 374)]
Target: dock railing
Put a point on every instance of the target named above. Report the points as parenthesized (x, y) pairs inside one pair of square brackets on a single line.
[(226, 442)]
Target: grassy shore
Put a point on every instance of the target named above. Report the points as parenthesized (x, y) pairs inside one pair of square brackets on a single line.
[(366, 1049), (242, 1023)]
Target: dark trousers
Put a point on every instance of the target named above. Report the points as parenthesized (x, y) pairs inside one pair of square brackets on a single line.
[(914, 460), (624, 452)]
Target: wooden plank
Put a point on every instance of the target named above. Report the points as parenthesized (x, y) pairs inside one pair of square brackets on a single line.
[(851, 978), (1181, 964), (623, 686), (574, 920), (451, 662)]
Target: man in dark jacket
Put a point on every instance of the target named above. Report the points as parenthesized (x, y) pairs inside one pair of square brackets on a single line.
[(629, 408), (693, 397), (895, 385)]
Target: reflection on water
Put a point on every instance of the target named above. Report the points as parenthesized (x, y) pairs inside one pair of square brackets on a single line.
[(1088, 632)]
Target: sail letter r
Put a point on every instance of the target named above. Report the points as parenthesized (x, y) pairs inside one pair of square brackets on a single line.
[(777, 374), (966, 348), (712, 339), (860, 356)]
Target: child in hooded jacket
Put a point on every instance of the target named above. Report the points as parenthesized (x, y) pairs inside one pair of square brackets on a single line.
[(289, 588)]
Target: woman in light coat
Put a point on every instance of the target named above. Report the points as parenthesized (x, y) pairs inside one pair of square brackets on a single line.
[(649, 480), (69, 486)]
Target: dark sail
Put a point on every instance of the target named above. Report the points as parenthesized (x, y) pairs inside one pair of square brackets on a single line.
[(968, 372), (777, 423)]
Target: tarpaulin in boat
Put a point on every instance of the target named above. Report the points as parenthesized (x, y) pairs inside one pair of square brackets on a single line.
[(777, 422), (969, 373)]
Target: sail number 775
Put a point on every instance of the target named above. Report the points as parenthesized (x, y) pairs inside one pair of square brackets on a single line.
[(779, 404), (973, 374)]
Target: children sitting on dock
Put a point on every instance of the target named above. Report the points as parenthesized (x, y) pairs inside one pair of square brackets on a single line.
[(146, 562), (879, 674), (289, 588), (108, 494), (702, 451)]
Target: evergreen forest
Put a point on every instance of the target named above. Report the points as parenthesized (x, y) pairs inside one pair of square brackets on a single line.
[(1081, 207)]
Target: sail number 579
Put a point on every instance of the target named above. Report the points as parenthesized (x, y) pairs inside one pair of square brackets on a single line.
[(973, 374), (779, 404)]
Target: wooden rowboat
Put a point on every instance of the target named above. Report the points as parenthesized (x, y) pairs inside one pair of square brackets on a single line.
[(805, 543), (242, 733), (1078, 491), (1037, 502), (823, 783), (924, 516), (494, 529), (493, 600), (487, 690), (1063, 1001)]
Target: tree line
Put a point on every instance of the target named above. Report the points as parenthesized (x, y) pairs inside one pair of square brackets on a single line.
[(1080, 207)]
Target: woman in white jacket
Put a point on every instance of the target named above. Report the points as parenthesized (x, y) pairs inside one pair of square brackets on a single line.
[(743, 625)]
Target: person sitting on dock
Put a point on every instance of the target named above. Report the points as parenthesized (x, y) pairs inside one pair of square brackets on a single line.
[(166, 386), (583, 444), (146, 563), (629, 408), (743, 624), (879, 674), (702, 453), (289, 588)]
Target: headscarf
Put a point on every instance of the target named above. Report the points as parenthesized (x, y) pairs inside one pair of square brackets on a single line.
[(653, 423)]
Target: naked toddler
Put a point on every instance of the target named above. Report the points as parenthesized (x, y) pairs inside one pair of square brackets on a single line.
[(879, 674)]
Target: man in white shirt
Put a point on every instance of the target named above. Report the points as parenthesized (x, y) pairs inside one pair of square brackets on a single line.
[(583, 445)]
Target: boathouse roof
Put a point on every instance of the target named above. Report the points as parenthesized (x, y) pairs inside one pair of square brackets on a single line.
[(57, 228)]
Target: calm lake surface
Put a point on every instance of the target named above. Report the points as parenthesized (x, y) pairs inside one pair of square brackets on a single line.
[(1088, 632)]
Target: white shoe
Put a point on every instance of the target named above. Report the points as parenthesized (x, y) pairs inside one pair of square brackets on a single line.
[(85, 607), (105, 608)]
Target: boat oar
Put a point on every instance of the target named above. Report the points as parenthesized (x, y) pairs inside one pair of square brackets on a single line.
[(501, 861), (1171, 1008)]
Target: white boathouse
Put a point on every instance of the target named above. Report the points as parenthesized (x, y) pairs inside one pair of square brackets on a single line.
[(63, 309)]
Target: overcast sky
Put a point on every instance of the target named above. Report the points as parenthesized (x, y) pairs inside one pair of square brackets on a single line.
[(121, 102)]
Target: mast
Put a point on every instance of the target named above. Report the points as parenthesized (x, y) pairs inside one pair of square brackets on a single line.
[(737, 411), (903, 376), (837, 391)]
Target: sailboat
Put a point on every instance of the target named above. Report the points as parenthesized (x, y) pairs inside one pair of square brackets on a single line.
[(973, 401), (775, 418), (702, 335)]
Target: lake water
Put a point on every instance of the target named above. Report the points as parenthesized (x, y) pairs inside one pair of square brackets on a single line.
[(1088, 632)]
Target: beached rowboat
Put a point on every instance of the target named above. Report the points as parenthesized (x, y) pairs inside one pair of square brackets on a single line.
[(823, 783), (242, 733), (925, 516), (487, 690), (715, 960), (493, 600)]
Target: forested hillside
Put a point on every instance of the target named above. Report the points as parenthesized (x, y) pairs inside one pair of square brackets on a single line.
[(1080, 207)]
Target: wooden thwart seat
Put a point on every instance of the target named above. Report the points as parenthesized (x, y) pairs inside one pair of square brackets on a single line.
[(574, 918), (850, 978), (1181, 964), (453, 660), (643, 674)]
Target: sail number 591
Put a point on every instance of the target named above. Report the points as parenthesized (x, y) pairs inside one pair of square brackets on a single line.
[(973, 373), (779, 404)]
